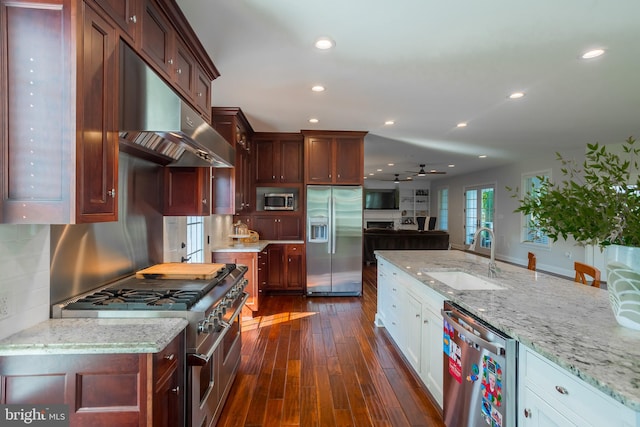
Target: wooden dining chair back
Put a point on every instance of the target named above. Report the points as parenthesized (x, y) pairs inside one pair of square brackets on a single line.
[(584, 270), (532, 261)]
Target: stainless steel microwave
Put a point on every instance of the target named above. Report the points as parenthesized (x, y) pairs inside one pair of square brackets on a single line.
[(278, 202)]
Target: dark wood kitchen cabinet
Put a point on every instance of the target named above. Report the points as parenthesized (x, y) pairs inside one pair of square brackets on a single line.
[(279, 227), (235, 186), (187, 191), (278, 158), (126, 14), (102, 389), (285, 268), (58, 73), (334, 157), (59, 135), (167, 43)]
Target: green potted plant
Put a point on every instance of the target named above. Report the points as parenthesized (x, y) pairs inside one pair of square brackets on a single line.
[(597, 203)]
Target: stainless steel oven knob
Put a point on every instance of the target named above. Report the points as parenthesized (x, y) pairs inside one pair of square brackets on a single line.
[(205, 327)]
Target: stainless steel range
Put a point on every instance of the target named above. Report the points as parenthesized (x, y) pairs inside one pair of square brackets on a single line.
[(213, 340)]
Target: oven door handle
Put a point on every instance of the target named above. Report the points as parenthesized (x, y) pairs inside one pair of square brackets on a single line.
[(199, 359)]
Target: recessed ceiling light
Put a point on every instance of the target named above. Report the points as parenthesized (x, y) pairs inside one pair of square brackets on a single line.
[(324, 43), (452, 166), (371, 174), (461, 125), (482, 156), (389, 123), (516, 95), (378, 170), (313, 120), (318, 88), (592, 53), (391, 164)]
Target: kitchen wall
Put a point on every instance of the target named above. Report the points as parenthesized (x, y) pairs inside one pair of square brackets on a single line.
[(24, 276)]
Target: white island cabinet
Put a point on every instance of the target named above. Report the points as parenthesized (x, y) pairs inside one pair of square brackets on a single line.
[(570, 372), (551, 397), (410, 311)]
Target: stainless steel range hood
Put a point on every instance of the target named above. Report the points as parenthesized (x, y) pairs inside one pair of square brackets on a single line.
[(158, 124)]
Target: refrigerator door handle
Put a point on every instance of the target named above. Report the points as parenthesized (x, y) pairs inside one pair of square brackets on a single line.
[(333, 225), (330, 225)]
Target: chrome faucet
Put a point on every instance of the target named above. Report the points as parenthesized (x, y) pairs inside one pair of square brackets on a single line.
[(493, 268)]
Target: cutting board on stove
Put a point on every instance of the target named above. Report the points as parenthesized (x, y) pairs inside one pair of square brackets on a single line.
[(179, 270)]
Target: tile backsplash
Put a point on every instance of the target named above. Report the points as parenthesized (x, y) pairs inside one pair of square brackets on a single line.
[(24, 276)]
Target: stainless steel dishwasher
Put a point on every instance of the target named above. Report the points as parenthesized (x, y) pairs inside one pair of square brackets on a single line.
[(479, 372)]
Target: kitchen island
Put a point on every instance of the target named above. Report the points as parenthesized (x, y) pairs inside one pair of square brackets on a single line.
[(570, 324)]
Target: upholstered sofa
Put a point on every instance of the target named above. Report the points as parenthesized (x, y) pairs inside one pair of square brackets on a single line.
[(387, 239)]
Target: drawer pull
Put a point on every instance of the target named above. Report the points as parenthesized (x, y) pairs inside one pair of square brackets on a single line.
[(170, 356), (176, 390), (527, 413), (561, 390)]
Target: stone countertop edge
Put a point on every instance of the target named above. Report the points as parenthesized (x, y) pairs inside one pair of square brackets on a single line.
[(569, 323), (253, 247), (93, 336)]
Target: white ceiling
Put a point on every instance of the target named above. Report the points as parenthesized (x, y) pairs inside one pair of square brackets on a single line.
[(429, 65)]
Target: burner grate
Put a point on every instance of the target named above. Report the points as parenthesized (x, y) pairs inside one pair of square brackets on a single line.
[(135, 299)]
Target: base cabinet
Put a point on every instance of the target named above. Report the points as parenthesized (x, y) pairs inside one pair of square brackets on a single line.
[(551, 396), (410, 311), (102, 389), (250, 259), (285, 268)]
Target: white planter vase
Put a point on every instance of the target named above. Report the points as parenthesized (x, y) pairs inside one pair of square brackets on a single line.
[(623, 283)]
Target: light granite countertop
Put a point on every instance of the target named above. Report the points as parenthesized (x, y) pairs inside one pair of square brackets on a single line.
[(569, 323), (253, 247), (94, 335)]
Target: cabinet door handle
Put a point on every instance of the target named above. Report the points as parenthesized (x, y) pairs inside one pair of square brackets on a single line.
[(561, 390), (170, 356), (418, 316), (200, 94), (527, 413), (170, 62), (112, 193), (133, 19), (176, 390), (179, 71), (204, 201)]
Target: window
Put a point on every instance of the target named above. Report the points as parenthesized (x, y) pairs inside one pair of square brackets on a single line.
[(195, 239), (443, 208), (531, 234), (479, 210)]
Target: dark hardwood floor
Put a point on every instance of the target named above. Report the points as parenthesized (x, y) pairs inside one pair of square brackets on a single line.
[(320, 361)]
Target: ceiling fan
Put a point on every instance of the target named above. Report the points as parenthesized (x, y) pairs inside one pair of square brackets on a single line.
[(397, 178), (422, 172)]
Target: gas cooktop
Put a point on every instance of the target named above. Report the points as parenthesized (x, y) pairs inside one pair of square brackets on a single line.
[(150, 294)]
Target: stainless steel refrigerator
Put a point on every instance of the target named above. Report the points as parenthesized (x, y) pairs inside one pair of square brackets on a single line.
[(334, 240)]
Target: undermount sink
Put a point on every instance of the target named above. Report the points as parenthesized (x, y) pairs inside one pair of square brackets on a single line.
[(463, 281)]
